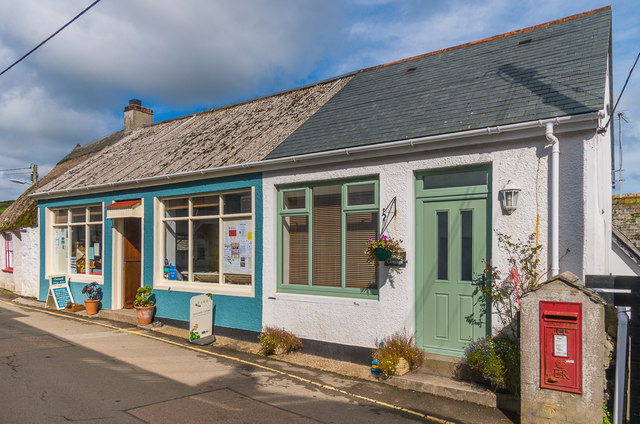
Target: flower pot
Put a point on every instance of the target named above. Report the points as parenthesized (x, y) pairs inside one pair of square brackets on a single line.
[(383, 254), (91, 306), (403, 367), (145, 314)]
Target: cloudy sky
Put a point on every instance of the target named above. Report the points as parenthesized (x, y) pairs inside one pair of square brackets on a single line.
[(185, 56)]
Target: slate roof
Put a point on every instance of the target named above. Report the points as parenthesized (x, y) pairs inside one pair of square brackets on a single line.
[(240, 133), (546, 71)]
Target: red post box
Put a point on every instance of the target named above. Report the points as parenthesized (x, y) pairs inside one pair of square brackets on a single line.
[(561, 346)]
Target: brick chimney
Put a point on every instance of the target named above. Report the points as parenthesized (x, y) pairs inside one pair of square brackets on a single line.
[(136, 116)]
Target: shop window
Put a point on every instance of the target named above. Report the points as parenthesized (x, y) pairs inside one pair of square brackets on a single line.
[(76, 241), (208, 239), (324, 229), (8, 251)]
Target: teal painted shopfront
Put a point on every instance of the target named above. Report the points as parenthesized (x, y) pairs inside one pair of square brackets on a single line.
[(182, 239)]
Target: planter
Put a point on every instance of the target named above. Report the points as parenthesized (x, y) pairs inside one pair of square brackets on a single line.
[(145, 314), (91, 306), (382, 254), (403, 367)]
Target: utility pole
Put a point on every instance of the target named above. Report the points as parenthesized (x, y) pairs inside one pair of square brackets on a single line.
[(34, 173)]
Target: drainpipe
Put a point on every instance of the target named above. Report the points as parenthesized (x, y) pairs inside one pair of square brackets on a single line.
[(621, 365), (555, 198)]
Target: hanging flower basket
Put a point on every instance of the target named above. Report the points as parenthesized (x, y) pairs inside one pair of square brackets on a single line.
[(382, 249), (383, 254)]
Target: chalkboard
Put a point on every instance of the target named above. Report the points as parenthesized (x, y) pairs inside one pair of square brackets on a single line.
[(61, 295)]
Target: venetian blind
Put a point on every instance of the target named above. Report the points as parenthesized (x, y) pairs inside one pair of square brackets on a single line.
[(296, 249), (327, 236), (360, 227)]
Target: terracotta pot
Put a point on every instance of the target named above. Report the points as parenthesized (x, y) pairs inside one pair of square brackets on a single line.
[(91, 306), (145, 314)]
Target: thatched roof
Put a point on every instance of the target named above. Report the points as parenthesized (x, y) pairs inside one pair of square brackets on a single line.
[(24, 211)]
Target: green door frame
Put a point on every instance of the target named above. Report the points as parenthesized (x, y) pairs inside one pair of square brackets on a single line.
[(448, 184)]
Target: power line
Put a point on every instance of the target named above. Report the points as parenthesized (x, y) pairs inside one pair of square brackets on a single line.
[(50, 37), (603, 129), (16, 169)]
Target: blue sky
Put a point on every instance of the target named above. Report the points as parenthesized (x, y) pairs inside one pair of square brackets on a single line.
[(181, 57)]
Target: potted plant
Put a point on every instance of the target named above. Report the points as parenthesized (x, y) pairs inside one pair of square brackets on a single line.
[(382, 248), (94, 293), (145, 304)]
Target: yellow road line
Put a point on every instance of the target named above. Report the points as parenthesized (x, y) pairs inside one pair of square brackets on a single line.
[(239, 360)]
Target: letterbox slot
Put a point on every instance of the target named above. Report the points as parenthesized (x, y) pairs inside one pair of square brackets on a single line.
[(560, 317)]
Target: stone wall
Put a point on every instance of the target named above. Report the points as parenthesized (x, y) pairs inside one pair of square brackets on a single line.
[(626, 216)]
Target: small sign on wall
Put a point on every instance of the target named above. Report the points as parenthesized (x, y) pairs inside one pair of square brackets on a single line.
[(201, 320)]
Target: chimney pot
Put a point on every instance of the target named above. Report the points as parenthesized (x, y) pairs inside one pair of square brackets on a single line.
[(135, 102)]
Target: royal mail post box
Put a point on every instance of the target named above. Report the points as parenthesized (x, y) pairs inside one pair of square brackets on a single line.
[(561, 346)]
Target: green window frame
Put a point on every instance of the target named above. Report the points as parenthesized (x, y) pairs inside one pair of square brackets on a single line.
[(301, 208)]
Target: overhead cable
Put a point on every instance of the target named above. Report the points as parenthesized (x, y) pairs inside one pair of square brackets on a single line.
[(603, 129), (50, 37)]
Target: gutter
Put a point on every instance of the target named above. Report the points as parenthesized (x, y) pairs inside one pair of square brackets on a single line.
[(325, 156)]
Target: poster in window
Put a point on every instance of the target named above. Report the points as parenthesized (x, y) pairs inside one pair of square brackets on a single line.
[(237, 253)]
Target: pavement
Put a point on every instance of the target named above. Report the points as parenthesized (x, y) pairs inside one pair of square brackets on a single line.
[(435, 378)]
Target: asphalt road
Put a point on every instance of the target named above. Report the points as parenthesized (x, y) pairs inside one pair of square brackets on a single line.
[(60, 369)]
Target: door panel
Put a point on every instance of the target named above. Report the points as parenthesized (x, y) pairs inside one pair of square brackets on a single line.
[(452, 246), (132, 254)]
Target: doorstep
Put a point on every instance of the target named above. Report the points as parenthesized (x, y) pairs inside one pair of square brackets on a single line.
[(423, 381), (436, 377)]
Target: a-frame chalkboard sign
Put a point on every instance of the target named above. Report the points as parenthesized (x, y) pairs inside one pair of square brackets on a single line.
[(59, 292)]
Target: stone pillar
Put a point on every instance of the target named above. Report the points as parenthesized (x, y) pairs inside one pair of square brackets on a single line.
[(544, 405)]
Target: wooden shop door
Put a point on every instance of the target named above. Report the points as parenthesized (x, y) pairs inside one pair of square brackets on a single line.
[(132, 259)]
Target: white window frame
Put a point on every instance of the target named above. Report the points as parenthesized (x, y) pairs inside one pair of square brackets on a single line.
[(51, 224), (190, 286), (7, 237)]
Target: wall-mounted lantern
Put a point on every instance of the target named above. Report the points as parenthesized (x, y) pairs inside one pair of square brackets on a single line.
[(509, 197)]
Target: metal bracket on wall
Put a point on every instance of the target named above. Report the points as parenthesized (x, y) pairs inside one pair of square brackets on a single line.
[(388, 214)]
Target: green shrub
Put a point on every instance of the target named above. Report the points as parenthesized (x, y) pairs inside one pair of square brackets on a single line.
[(607, 415), (392, 348), (144, 297), (278, 340), (495, 361)]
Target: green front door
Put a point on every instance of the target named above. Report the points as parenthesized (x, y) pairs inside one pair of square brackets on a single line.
[(452, 242)]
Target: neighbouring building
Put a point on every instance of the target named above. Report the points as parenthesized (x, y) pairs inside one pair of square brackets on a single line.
[(626, 234), (269, 203), (20, 242)]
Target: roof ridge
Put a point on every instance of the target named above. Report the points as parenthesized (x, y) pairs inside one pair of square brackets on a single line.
[(495, 37)]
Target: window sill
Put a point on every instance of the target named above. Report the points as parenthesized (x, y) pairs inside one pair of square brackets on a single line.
[(79, 278), (371, 294), (213, 288), (9, 270)]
